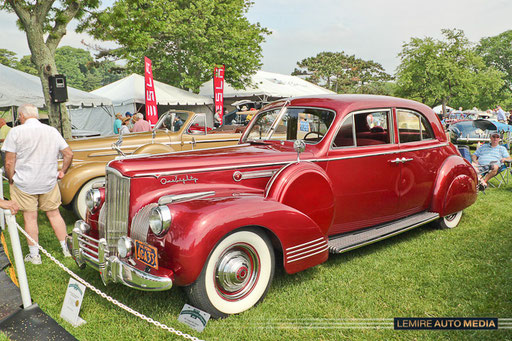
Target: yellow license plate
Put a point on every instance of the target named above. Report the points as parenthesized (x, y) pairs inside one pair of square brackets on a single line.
[(147, 254)]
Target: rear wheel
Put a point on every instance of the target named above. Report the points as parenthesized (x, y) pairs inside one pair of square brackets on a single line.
[(79, 206), (236, 276), (449, 221)]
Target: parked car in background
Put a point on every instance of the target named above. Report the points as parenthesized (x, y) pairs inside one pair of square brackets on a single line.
[(470, 132), (175, 131), (312, 176)]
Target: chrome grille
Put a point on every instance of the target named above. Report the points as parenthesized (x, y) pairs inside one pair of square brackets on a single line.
[(117, 205), (140, 223)]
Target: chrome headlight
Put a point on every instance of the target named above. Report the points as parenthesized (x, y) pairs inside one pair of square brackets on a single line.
[(160, 219), (93, 199), (125, 246)]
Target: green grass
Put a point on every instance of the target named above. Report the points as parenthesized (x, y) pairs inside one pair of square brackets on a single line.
[(464, 272)]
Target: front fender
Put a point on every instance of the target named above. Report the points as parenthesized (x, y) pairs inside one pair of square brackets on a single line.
[(199, 225), (455, 187), (153, 148), (77, 175)]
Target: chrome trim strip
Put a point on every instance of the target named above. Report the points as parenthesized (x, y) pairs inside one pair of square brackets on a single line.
[(310, 255), (273, 179), (305, 252), (171, 199), (307, 247), (140, 145), (395, 151), (301, 245), (254, 174)]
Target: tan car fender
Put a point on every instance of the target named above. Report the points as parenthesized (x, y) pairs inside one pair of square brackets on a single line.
[(77, 175), (154, 148)]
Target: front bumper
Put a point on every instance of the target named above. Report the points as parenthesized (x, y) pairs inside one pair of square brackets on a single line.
[(87, 250)]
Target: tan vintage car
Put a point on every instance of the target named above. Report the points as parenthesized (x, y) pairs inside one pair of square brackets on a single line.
[(175, 131)]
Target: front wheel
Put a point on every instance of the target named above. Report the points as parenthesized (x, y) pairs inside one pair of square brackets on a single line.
[(236, 276), (79, 206), (449, 221)]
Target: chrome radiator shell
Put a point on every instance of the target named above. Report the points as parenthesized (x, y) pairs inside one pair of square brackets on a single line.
[(117, 204)]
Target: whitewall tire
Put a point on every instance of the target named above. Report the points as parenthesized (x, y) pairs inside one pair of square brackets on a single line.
[(236, 275), (450, 221), (79, 206)]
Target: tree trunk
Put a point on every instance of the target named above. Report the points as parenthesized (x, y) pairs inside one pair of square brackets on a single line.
[(44, 59)]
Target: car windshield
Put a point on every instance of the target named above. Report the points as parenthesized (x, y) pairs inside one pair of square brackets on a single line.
[(306, 124), (172, 121)]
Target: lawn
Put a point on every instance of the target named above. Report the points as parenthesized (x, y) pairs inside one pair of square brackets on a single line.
[(464, 272)]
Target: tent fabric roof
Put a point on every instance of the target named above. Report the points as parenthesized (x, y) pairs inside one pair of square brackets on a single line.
[(17, 88), (271, 85), (131, 90)]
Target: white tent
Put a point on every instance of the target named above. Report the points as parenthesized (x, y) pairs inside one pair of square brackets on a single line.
[(126, 93), (268, 85), (17, 88)]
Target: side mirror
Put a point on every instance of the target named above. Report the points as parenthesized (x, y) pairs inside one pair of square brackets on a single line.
[(299, 146)]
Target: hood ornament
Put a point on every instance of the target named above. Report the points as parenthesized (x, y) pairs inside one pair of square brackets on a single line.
[(117, 145), (299, 146)]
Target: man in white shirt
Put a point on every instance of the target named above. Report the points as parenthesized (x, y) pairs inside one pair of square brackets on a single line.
[(31, 153)]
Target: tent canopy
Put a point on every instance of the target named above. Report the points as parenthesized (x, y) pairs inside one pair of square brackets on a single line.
[(131, 90), (17, 88), (268, 84)]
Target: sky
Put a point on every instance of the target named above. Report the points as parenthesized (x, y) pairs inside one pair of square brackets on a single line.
[(369, 29)]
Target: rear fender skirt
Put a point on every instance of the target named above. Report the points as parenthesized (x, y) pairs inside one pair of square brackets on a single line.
[(455, 187)]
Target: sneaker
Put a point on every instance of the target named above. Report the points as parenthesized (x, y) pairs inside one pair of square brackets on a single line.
[(66, 253), (33, 259)]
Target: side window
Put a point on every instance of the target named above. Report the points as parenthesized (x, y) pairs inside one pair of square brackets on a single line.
[(345, 136), (413, 127), (370, 128)]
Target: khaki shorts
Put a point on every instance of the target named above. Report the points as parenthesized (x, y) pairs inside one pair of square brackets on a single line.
[(32, 202)]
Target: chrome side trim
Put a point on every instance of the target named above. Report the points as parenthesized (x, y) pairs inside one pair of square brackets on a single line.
[(171, 199), (239, 176), (140, 145), (276, 175), (219, 168), (305, 250)]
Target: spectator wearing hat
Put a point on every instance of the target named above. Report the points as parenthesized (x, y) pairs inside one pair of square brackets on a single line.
[(117, 123), (129, 122), (124, 127), (489, 157)]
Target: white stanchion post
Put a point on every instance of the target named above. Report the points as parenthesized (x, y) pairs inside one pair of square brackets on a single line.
[(2, 216), (18, 258)]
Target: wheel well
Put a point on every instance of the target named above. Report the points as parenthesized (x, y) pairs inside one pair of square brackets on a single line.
[(276, 244)]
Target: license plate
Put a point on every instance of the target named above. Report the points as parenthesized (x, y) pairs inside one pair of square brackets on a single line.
[(146, 254)]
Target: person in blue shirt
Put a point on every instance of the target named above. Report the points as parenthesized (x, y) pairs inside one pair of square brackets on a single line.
[(489, 157), (117, 123), (500, 115)]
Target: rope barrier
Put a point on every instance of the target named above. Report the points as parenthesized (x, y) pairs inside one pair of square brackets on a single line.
[(105, 296)]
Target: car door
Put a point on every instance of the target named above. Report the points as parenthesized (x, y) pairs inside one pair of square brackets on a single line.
[(365, 178), (420, 157)]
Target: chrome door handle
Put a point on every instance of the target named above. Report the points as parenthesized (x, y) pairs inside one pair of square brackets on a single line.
[(404, 160), (397, 160)]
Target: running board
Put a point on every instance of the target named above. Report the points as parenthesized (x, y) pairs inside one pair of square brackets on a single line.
[(352, 240)]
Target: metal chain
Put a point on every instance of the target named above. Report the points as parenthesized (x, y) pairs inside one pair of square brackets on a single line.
[(105, 296)]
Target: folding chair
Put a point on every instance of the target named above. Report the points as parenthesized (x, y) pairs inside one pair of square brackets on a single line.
[(502, 178)]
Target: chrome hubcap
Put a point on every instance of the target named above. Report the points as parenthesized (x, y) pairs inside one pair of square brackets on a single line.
[(237, 271)]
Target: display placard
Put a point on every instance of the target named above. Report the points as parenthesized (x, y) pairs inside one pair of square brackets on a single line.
[(73, 302)]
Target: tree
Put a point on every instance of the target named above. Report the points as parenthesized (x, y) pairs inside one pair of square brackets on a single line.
[(8, 58), (342, 73), (44, 23), (497, 52), (435, 72), (184, 39)]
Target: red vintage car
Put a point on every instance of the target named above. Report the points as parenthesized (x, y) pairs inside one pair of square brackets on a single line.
[(312, 176)]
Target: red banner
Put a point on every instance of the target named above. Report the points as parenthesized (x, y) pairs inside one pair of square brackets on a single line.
[(151, 110), (218, 90)]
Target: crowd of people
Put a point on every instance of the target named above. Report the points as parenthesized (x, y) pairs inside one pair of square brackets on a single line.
[(130, 123)]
